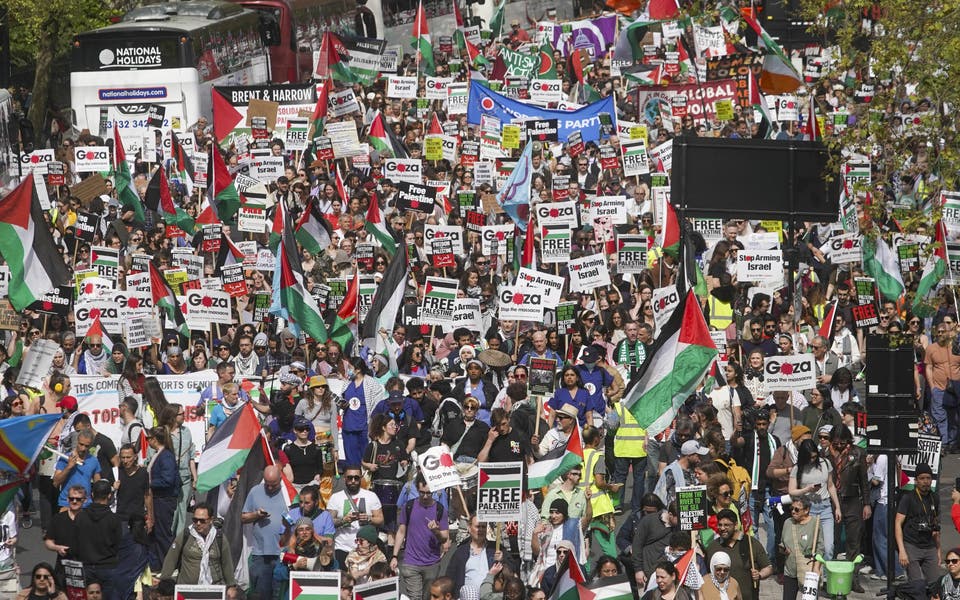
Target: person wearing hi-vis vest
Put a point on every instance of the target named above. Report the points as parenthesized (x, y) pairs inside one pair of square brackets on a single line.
[(630, 452), (595, 478)]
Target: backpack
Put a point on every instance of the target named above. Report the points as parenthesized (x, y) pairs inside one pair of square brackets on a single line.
[(449, 410), (408, 510), (736, 474)]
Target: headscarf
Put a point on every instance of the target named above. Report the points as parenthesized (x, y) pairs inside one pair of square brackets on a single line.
[(720, 559)]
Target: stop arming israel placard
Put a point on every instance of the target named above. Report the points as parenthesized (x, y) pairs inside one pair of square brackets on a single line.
[(550, 285), (521, 304), (789, 373), (439, 301), (760, 266), (499, 493), (588, 273), (631, 253)]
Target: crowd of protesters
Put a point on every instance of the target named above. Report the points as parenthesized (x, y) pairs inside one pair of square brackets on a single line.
[(346, 423)]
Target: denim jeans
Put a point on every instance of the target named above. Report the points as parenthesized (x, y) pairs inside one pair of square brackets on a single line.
[(621, 468), (880, 542), (415, 579), (939, 414), (261, 574), (824, 510)]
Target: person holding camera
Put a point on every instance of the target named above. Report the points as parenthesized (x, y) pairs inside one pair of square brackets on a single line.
[(199, 555), (917, 528)]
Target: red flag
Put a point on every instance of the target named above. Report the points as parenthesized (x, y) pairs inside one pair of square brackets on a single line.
[(348, 308), (528, 258), (660, 10), (457, 14)]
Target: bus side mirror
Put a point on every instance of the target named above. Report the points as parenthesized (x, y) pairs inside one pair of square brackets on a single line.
[(269, 30)]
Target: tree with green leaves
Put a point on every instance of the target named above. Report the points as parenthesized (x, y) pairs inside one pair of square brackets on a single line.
[(41, 34)]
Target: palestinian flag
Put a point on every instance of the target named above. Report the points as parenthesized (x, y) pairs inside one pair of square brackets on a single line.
[(291, 300), (312, 231), (644, 74), (166, 301), (758, 101), (935, 269), (98, 330), (437, 287), (184, 164), (320, 110), (629, 45), (669, 237), (500, 477), (348, 311), (314, 586), (826, 328), (377, 228), (496, 19), (387, 301), (222, 195), (571, 583), (36, 266), (159, 200), (276, 228), (382, 589), (421, 41), (882, 264), (331, 64), (127, 193), (468, 51), (229, 254), (338, 183), (226, 118), (778, 76), (675, 364), (224, 453), (546, 470), (610, 588), (377, 136)]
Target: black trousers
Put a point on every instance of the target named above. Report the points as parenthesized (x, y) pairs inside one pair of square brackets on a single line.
[(851, 511)]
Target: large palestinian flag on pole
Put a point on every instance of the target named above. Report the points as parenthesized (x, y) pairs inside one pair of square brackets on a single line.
[(675, 365), (291, 300), (226, 451), (36, 266)]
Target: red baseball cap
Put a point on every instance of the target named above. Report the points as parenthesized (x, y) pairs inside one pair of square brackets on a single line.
[(68, 402)]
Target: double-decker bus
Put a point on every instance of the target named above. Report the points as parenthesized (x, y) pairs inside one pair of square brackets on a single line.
[(167, 54)]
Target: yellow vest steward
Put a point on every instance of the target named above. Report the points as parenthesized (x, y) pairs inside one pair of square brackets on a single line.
[(630, 439), (721, 314), (599, 501)]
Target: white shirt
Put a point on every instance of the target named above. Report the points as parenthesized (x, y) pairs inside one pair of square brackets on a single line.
[(8, 531), (341, 504)]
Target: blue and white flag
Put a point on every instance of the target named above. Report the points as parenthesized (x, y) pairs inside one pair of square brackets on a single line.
[(514, 196), (586, 120)]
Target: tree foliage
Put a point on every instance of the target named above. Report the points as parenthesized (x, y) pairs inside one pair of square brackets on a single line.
[(909, 52)]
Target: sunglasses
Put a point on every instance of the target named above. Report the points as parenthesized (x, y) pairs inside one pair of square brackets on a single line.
[(199, 521), (726, 494), (796, 509), (952, 561), (41, 576), (564, 417), (95, 345), (352, 477), (76, 499)]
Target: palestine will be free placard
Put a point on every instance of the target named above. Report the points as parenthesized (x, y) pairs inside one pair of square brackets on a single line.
[(499, 493), (439, 301)]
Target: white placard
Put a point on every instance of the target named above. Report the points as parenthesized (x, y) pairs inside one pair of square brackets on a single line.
[(209, 306), (790, 373), (401, 87), (588, 273)]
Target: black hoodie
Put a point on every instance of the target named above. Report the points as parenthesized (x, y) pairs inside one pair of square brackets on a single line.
[(98, 533)]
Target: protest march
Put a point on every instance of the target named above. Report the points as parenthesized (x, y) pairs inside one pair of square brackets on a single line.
[(398, 320)]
